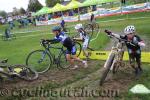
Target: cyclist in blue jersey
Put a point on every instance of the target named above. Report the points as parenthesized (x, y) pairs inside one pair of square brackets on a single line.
[(68, 43)]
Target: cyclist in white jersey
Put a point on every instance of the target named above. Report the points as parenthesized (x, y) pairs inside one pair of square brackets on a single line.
[(84, 37)]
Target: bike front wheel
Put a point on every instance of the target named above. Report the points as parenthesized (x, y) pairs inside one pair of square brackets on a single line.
[(39, 60), (79, 48), (107, 68)]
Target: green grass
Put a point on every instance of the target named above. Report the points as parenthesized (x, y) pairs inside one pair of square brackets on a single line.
[(144, 79), (17, 50)]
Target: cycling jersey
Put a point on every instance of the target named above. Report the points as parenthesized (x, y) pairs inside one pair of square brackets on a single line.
[(85, 38), (66, 41), (133, 48)]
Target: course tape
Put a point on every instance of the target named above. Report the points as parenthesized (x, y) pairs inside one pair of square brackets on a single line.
[(103, 55)]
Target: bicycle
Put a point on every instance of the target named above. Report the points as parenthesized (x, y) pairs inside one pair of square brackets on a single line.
[(91, 28), (45, 58), (20, 71), (11, 36), (115, 59)]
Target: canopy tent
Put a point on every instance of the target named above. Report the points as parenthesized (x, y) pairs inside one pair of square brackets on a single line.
[(58, 7), (96, 2), (44, 10), (73, 4)]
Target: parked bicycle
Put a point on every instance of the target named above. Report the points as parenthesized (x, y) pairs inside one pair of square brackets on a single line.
[(17, 71), (42, 60), (8, 35)]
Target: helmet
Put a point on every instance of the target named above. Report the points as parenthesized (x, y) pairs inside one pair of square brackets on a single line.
[(129, 29), (78, 26), (56, 28)]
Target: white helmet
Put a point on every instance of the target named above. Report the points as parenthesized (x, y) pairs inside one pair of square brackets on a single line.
[(129, 29), (78, 26)]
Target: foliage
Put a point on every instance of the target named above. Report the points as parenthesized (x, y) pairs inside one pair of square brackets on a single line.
[(51, 3), (34, 5)]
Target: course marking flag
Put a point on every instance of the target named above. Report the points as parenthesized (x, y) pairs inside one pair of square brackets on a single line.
[(103, 55)]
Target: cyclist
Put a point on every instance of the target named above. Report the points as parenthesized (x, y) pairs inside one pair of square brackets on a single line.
[(84, 37), (134, 44), (7, 33), (62, 24), (68, 43), (92, 19)]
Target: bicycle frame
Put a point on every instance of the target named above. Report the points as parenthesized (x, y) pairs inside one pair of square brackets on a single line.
[(47, 49), (118, 51)]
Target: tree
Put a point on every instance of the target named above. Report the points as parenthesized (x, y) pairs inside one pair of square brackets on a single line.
[(34, 5), (51, 3), (22, 11), (3, 14), (15, 11)]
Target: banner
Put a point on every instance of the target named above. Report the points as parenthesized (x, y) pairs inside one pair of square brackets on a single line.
[(103, 55), (71, 18), (54, 21), (99, 13)]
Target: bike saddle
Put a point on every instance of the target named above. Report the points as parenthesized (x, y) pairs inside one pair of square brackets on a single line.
[(4, 61)]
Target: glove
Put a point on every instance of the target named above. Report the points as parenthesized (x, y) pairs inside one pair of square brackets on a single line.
[(141, 44), (108, 32)]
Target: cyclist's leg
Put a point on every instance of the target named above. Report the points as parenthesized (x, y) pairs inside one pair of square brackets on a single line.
[(84, 48), (132, 60), (138, 60), (74, 56), (68, 57)]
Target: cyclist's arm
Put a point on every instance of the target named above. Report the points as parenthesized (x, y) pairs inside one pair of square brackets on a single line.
[(140, 41), (55, 40), (79, 39)]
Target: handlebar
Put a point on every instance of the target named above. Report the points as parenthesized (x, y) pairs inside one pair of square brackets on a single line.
[(109, 33)]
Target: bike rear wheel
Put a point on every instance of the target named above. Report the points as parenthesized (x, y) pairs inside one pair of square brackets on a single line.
[(62, 61), (39, 60), (107, 68), (13, 36), (79, 48)]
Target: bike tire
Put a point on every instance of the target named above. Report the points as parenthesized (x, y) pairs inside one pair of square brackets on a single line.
[(96, 28), (4, 38), (79, 48), (118, 63), (107, 69), (13, 36), (62, 61), (38, 66), (31, 74), (89, 30)]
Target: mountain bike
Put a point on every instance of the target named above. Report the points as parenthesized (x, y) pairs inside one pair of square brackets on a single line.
[(42, 60), (115, 59), (17, 71)]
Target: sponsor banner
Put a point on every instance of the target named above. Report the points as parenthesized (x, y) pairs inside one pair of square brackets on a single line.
[(102, 12), (71, 18), (39, 23), (85, 16), (54, 21), (103, 55)]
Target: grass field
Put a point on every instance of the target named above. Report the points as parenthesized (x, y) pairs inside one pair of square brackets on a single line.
[(17, 50)]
